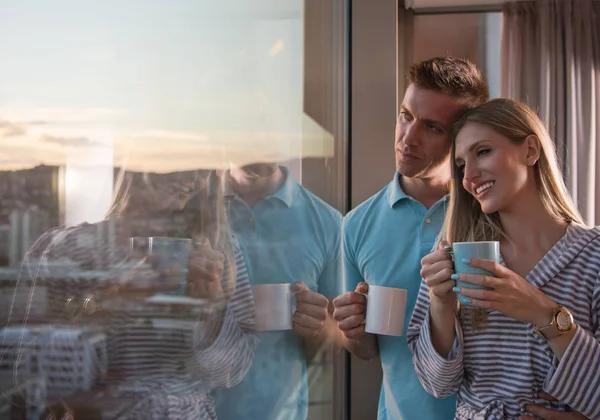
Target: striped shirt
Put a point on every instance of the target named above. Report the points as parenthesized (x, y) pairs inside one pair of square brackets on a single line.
[(498, 370), (163, 365)]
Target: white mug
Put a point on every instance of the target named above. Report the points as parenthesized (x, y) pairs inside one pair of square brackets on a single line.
[(273, 307), (386, 307)]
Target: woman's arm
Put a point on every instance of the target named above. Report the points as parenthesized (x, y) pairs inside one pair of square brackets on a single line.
[(576, 379), (226, 358), (440, 375)]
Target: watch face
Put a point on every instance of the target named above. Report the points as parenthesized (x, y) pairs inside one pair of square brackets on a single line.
[(564, 320)]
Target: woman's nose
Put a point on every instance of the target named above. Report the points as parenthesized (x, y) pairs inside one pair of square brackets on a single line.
[(471, 173)]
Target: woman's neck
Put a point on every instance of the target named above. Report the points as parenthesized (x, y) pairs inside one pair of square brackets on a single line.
[(531, 228)]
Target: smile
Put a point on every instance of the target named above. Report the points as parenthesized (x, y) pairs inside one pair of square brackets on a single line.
[(407, 156), (484, 187)]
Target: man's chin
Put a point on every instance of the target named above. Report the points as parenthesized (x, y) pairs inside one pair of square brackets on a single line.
[(259, 170), (407, 171)]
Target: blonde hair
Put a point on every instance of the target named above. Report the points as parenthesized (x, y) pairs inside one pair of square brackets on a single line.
[(465, 221), (205, 215)]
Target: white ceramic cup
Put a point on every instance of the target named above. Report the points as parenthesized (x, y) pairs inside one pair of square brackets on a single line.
[(273, 306), (386, 307)]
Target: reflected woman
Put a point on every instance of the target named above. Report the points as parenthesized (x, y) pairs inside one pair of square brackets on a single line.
[(168, 343)]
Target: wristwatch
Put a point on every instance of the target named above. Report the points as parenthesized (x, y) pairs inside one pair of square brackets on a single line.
[(562, 323)]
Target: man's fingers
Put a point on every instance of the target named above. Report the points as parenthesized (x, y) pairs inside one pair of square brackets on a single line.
[(318, 312), (542, 412), (545, 396), (362, 287), (349, 298), (313, 298), (547, 414), (355, 333), (347, 311), (307, 321), (352, 322)]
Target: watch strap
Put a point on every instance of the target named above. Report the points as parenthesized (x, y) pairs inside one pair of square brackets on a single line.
[(552, 330), (549, 331)]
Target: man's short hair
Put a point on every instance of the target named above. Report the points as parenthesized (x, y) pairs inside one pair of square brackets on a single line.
[(455, 77)]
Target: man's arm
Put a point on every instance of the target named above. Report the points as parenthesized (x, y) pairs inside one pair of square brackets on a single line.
[(350, 307), (330, 285)]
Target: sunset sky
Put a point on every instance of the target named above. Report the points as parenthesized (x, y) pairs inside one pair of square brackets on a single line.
[(165, 85)]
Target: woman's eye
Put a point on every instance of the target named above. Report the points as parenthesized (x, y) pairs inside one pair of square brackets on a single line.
[(482, 152)]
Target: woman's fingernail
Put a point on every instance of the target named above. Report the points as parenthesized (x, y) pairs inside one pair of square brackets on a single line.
[(447, 247), (466, 261), (466, 300), (456, 289), (455, 276)]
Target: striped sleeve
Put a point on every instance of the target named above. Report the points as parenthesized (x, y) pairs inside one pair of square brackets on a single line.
[(227, 360), (440, 376), (576, 379)]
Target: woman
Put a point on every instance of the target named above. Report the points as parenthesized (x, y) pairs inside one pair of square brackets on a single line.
[(163, 360), (519, 342)]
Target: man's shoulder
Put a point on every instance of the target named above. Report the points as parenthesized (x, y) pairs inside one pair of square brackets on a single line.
[(367, 208), (317, 204)]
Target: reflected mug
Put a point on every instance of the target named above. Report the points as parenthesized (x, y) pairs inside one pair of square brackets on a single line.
[(274, 306)]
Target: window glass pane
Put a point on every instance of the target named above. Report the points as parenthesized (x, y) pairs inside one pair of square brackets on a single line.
[(159, 162)]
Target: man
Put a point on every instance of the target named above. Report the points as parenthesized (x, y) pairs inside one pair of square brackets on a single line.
[(288, 235), (386, 237)]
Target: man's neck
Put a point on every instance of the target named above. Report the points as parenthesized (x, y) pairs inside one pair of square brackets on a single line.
[(426, 191), (252, 189)]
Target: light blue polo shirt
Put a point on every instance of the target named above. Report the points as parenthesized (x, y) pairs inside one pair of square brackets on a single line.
[(291, 235), (385, 239)]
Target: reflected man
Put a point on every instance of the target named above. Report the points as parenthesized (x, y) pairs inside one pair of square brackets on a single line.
[(289, 236)]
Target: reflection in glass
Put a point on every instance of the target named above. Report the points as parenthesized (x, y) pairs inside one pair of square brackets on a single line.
[(113, 120)]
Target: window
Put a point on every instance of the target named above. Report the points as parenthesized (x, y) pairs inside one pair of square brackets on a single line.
[(114, 117)]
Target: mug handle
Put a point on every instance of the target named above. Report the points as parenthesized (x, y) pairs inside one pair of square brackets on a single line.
[(366, 295)]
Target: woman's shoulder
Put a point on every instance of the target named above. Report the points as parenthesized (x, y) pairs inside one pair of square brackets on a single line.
[(584, 243), (582, 234)]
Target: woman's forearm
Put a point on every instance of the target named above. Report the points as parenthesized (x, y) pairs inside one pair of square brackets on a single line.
[(442, 327)]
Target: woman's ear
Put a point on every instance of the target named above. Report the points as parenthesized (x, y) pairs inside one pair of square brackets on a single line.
[(533, 149)]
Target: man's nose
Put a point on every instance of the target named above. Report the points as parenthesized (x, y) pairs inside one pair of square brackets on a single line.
[(411, 137)]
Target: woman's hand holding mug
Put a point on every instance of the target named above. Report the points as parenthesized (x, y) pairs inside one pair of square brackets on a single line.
[(437, 269)]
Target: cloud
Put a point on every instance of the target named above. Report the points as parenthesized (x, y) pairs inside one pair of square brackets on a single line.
[(23, 161), (69, 141), (171, 135), (9, 129), (58, 115), (36, 123)]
